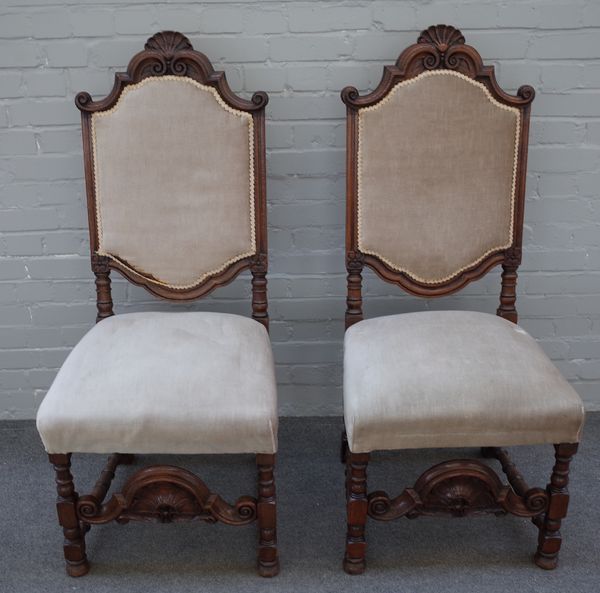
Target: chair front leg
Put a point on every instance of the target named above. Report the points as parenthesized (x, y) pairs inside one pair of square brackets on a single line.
[(356, 508), (268, 561), (549, 540), (74, 544)]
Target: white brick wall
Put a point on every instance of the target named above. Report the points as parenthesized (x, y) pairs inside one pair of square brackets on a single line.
[(302, 53)]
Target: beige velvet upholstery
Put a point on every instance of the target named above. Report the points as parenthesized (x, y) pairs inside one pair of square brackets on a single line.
[(452, 379), (174, 180), (165, 383), (436, 175)]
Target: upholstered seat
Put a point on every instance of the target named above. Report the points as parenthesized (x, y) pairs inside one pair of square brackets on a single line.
[(165, 383), (452, 379)]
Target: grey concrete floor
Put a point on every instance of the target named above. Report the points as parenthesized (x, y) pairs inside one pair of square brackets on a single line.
[(443, 555)]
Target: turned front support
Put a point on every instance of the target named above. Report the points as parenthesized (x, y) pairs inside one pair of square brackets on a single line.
[(550, 539), (266, 509), (74, 543), (356, 508)]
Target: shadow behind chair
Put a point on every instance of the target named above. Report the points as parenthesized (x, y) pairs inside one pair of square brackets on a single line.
[(436, 165), (175, 176)]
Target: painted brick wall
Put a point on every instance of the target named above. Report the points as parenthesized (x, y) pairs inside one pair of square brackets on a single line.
[(302, 54)]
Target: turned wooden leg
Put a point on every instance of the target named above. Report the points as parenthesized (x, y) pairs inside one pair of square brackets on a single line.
[(74, 544), (549, 540), (356, 507), (268, 561)]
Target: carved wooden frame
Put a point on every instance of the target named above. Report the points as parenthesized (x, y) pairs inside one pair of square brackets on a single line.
[(160, 494), (460, 488), (163, 493), (171, 53), (463, 486), (439, 47)]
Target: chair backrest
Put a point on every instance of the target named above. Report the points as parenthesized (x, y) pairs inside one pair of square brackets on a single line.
[(175, 176), (436, 164)]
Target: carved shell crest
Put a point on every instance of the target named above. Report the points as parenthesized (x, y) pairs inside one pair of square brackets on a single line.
[(168, 43), (442, 37)]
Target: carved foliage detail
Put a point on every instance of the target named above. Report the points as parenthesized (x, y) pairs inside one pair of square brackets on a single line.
[(171, 53), (164, 503), (513, 256), (456, 488), (446, 49), (166, 494), (355, 261), (104, 303), (100, 264), (443, 46), (459, 496), (168, 44), (259, 264)]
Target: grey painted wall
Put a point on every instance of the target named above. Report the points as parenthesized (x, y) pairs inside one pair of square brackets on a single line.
[(302, 54)]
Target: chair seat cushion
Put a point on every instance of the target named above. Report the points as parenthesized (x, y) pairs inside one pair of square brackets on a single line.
[(452, 379), (165, 383)]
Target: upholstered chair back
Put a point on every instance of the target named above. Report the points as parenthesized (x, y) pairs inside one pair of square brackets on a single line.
[(436, 166), (436, 175), (174, 181), (175, 173)]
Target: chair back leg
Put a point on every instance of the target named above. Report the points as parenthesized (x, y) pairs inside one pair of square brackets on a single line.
[(268, 560), (550, 539), (74, 544), (343, 447), (356, 507)]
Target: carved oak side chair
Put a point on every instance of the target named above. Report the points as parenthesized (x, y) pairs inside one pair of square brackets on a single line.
[(175, 176), (436, 164)]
